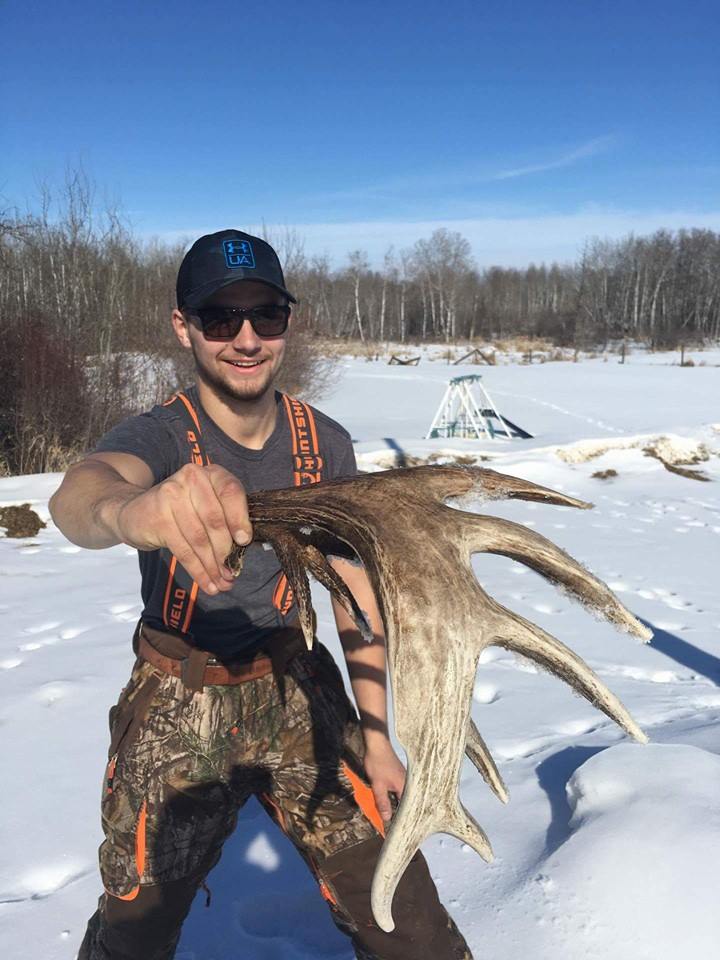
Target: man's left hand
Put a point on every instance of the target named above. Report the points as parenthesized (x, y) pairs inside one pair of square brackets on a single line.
[(386, 775)]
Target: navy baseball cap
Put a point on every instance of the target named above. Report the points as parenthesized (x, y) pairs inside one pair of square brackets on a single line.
[(219, 259)]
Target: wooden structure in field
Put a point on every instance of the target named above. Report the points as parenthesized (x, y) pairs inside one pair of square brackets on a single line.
[(403, 361)]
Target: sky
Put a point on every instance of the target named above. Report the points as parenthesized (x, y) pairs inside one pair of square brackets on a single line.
[(526, 126)]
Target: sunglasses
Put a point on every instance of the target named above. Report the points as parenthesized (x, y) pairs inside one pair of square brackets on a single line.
[(225, 323)]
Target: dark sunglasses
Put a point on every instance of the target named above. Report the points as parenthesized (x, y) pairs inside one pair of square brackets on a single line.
[(225, 323)]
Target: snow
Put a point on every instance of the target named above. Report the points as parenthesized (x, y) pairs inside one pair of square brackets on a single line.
[(607, 849)]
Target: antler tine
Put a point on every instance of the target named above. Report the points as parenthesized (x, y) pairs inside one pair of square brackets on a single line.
[(409, 828), (324, 574), (290, 554), (493, 535), (477, 751), (529, 640), (501, 486), (448, 482)]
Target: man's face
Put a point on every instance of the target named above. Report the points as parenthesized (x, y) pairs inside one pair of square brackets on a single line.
[(243, 368)]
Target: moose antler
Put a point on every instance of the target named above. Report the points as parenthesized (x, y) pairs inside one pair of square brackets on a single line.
[(437, 619)]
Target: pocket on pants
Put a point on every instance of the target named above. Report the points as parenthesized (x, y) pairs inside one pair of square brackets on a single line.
[(127, 716), (124, 804)]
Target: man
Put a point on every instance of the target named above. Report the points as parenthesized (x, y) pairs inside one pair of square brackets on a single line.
[(224, 700)]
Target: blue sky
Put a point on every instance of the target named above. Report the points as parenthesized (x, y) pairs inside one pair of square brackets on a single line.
[(525, 125)]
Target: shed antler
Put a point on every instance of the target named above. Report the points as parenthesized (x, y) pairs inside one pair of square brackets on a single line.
[(417, 552)]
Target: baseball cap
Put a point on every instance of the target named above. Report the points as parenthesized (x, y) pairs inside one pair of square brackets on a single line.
[(218, 259)]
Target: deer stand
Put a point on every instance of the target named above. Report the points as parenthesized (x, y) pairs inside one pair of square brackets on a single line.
[(468, 411)]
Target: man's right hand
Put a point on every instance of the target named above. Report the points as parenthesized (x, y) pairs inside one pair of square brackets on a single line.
[(197, 513)]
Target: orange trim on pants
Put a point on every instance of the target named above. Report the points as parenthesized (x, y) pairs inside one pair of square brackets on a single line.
[(365, 799), (140, 832)]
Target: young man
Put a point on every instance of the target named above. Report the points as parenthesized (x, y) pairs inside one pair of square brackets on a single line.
[(224, 700)]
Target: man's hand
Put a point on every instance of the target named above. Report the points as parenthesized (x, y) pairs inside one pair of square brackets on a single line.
[(196, 513), (386, 775)]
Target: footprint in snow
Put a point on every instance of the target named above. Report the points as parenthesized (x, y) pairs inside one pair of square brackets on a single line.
[(675, 602), (122, 607), (546, 608), (708, 700), (38, 644), (44, 881), (43, 627), (10, 663), (485, 693), (575, 728), (125, 612), (54, 692), (489, 654), (517, 749), (654, 676)]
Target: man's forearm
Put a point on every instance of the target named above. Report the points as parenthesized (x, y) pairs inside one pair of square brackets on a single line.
[(86, 506), (367, 667), (366, 662)]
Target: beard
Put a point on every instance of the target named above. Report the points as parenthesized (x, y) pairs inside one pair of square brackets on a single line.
[(249, 392)]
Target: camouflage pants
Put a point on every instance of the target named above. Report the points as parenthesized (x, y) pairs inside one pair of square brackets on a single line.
[(180, 769)]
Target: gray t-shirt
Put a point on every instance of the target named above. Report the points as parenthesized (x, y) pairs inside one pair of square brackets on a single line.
[(235, 622)]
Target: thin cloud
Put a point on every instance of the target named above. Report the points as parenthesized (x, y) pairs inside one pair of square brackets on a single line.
[(589, 149), (390, 188)]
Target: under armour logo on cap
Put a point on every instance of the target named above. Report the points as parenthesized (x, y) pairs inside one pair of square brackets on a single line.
[(239, 253)]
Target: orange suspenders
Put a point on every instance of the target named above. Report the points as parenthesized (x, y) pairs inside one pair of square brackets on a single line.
[(307, 468), (181, 591)]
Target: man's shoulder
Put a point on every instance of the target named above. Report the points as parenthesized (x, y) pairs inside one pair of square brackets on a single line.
[(328, 426), (152, 436), (157, 419), (336, 446), (171, 415)]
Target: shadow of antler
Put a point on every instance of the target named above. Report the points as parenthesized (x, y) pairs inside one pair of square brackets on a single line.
[(417, 552)]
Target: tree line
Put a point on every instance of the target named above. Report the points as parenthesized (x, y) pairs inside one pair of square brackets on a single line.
[(84, 308), (662, 290)]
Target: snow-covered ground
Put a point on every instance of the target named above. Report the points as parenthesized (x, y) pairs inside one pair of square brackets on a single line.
[(607, 849)]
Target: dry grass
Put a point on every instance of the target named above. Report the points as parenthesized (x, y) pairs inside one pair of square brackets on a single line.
[(604, 474), (680, 471), (369, 350), (524, 345)]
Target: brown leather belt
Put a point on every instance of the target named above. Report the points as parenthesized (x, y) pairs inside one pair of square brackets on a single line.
[(198, 668)]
